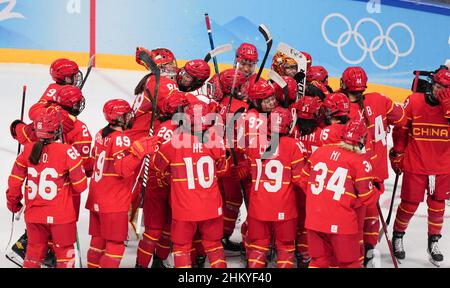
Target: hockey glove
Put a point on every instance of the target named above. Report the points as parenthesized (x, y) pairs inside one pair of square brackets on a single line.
[(378, 183), (138, 51), (443, 95), (13, 202), (144, 146), (396, 161), (14, 125)]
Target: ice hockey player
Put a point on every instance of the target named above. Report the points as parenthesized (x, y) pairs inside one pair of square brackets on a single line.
[(193, 75), (335, 113), (68, 103), (319, 74), (246, 59), (194, 163), (54, 174), (229, 185), (284, 65), (421, 151), (64, 72), (379, 112), (337, 180), (272, 200), (117, 159), (308, 132)]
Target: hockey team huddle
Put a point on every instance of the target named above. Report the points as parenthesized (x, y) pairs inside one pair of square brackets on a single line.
[(309, 165)]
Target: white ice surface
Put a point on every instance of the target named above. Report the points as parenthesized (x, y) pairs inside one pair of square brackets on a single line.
[(105, 84)]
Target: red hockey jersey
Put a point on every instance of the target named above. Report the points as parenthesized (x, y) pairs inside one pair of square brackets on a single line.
[(194, 169), (381, 112), (310, 142), (428, 144), (112, 181), (45, 100), (50, 185), (272, 196), (336, 182)]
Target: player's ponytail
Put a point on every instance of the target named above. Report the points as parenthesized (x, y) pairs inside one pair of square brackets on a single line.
[(306, 126), (36, 153), (363, 109)]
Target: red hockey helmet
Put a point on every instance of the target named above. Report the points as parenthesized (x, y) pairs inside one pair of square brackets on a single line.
[(165, 60), (247, 52), (354, 79), (317, 73), (48, 125), (292, 89), (442, 77), (280, 120), (355, 133), (308, 107), (118, 112), (66, 71), (193, 75), (260, 90), (71, 99), (308, 59), (336, 104), (162, 56), (198, 69), (227, 79)]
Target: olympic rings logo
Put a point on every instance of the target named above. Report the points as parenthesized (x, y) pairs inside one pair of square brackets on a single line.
[(362, 43)]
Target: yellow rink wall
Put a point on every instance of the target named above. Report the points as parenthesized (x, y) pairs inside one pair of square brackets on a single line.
[(128, 62)]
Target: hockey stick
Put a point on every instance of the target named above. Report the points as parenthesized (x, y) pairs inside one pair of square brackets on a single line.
[(211, 42), (383, 224), (391, 207), (144, 57), (269, 41), (298, 56), (16, 216), (90, 65), (24, 92), (219, 50), (233, 153), (275, 77)]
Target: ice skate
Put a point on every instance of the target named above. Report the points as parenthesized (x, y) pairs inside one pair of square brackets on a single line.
[(397, 246), (435, 255)]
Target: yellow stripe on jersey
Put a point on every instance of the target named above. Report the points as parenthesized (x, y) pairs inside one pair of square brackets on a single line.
[(78, 182), (81, 142), (17, 177), (20, 164), (365, 194), (75, 167), (362, 179)]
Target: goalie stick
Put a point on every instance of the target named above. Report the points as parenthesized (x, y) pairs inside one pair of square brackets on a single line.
[(298, 56), (144, 57), (269, 41)]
